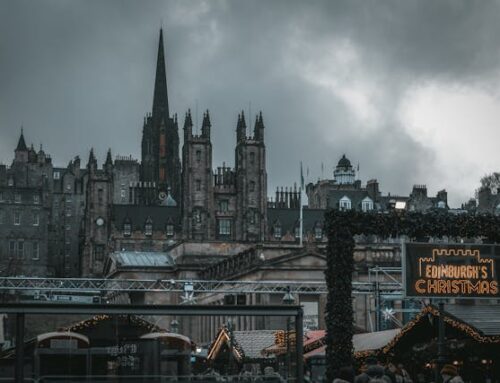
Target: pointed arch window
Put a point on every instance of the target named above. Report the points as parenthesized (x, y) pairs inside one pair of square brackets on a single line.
[(169, 228), (318, 231), (277, 230), (127, 228), (148, 227)]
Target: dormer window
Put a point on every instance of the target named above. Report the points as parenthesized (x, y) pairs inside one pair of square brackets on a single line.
[(148, 228), (297, 231), (127, 229), (318, 233), (277, 231), (367, 204), (345, 203), (10, 182), (169, 230)]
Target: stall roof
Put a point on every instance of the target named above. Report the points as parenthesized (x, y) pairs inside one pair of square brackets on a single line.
[(485, 318), (362, 343), (253, 342), (247, 344)]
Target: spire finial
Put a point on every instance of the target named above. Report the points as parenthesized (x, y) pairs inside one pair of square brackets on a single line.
[(21, 144), (160, 98)]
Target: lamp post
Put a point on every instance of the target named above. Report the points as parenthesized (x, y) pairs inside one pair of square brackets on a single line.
[(174, 326), (288, 299)]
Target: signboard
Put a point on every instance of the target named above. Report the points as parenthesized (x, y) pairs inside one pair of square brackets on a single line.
[(451, 270)]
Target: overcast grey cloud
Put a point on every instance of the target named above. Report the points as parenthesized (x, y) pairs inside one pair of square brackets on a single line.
[(409, 89)]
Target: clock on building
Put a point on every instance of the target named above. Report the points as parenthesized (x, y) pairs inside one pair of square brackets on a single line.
[(99, 221)]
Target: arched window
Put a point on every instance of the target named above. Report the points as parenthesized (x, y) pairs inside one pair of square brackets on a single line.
[(277, 229), (148, 227), (318, 232)]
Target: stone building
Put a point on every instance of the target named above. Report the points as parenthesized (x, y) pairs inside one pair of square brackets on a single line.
[(68, 209), (345, 192), (25, 203), (160, 137)]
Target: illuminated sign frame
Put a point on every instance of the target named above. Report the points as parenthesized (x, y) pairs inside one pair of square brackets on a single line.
[(464, 271)]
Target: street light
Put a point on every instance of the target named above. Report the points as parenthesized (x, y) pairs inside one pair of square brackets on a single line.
[(288, 298), (174, 326)]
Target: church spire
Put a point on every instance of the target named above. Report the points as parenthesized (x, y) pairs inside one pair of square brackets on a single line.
[(21, 144), (160, 98)]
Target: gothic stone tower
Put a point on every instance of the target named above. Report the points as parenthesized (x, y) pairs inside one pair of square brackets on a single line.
[(97, 217), (197, 183), (251, 181), (160, 138)]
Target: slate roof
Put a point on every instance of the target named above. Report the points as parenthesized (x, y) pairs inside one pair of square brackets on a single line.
[(356, 196), (253, 342), (288, 218), (137, 214), (142, 259), (485, 318)]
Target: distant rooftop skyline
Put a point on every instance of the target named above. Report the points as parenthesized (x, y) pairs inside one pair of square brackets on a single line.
[(409, 90)]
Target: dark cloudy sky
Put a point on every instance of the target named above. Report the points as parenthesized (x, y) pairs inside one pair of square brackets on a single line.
[(409, 89)]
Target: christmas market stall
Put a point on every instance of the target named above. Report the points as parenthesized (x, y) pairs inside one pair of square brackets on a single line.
[(365, 344), (472, 341), (104, 345), (234, 351)]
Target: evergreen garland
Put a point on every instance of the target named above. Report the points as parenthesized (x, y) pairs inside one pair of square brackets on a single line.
[(341, 226), (339, 312)]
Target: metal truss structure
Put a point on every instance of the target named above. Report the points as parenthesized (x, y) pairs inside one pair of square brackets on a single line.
[(103, 287)]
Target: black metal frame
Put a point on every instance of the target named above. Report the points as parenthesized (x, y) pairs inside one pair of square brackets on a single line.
[(21, 309)]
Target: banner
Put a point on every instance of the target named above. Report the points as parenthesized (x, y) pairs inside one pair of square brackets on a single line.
[(451, 270)]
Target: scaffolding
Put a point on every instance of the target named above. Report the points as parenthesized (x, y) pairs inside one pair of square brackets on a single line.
[(104, 287)]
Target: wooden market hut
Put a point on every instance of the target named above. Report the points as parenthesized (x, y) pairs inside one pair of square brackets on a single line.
[(365, 343), (232, 350), (104, 345), (472, 341)]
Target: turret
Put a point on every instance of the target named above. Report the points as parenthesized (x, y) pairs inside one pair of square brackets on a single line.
[(108, 165), (92, 163), (188, 126), (21, 152), (259, 128), (241, 128), (205, 126)]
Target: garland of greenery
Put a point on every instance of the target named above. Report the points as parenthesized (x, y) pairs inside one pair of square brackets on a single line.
[(342, 226)]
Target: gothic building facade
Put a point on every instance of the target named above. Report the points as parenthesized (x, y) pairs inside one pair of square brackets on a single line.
[(160, 203)]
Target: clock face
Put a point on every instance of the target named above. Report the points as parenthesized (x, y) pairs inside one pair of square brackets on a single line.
[(99, 221), (162, 196)]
